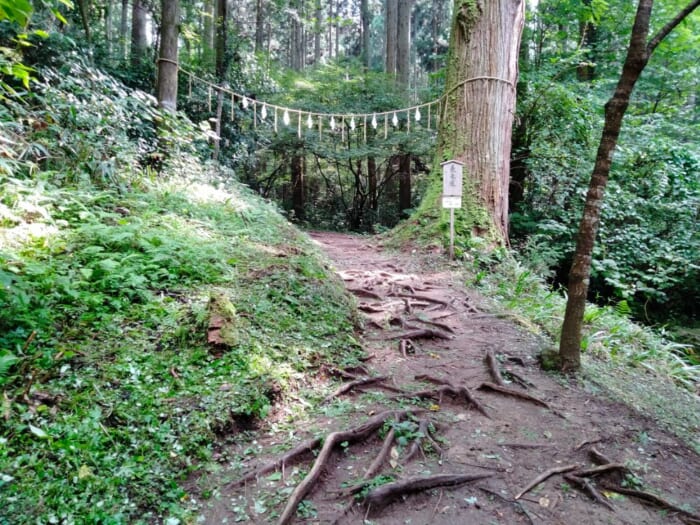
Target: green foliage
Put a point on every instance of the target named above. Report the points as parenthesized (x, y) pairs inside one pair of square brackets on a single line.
[(111, 393)]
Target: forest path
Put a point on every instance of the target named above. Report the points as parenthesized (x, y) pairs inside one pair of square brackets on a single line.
[(424, 331)]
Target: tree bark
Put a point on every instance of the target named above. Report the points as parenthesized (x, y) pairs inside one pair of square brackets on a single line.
[(403, 43), (365, 20), (637, 58), (167, 64), (477, 117), (391, 21), (84, 8), (139, 33), (207, 41), (297, 176), (372, 185), (404, 183), (124, 29), (259, 26), (221, 23), (318, 29)]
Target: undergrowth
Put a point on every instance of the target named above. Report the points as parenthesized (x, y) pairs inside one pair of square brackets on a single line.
[(111, 394), (632, 362)]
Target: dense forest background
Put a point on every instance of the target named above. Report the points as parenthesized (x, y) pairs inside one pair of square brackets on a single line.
[(364, 57)]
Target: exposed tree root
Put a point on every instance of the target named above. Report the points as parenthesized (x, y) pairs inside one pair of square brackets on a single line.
[(333, 439), (421, 333), (458, 392), (651, 498), (515, 393), (492, 363), (347, 387), (370, 308), (588, 488), (381, 496), (406, 346), (424, 298), (363, 292), (602, 469), (417, 445), (545, 475), (599, 457), (519, 379), (451, 390), (436, 324), (301, 449)]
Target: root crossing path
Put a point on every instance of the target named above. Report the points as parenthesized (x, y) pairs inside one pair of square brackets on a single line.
[(451, 421)]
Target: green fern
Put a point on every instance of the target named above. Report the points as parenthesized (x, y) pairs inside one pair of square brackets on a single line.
[(7, 359), (623, 308)]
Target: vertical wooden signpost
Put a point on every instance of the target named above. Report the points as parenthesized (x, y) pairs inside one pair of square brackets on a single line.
[(452, 194)]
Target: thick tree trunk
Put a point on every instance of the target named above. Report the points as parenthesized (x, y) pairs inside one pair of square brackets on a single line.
[(139, 33), (221, 23), (167, 64), (297, 176), (403, 42), (638, 55), (391, 21), (477, 116)]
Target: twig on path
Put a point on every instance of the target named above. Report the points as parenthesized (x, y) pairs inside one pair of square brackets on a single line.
[(542, 477)]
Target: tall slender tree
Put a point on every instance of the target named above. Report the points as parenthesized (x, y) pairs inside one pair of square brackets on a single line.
[(167, 62), (638, 54), (139, 31)]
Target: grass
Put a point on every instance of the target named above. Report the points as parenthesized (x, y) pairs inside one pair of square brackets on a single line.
[(110, 394), (125, 395)]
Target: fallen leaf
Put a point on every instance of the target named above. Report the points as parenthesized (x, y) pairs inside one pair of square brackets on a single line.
[(394, 456), (544, 502)]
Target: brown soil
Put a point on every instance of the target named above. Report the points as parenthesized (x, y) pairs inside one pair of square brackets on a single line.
[(420, 321)]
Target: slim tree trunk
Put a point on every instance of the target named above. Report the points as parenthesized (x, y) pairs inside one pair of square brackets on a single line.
[(404, 183), (372, 185), (109, 28), (84, 8), (638, 55), (318, 29), (297, 176), (365, 19), (403, 42), (208, 25), (391, 12), (167, 63), (259, 26), (220, 23), (139, 34), (124, 29)]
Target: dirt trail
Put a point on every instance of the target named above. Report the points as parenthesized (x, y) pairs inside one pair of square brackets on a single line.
[(426, 333)]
